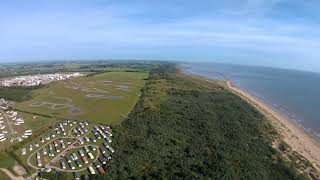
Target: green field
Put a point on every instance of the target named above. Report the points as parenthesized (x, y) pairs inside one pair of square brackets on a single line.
[(103, 98), (4, 176)]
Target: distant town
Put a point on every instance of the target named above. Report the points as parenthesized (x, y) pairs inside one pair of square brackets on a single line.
[(36, 80)]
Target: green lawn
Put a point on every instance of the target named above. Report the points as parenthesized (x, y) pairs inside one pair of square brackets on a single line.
[(117, 94)]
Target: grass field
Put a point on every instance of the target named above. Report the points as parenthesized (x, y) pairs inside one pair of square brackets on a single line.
[(35, 122), (6, 160), (103, 98), (4, 176)]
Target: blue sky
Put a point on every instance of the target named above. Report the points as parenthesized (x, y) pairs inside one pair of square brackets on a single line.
[(279, 33)]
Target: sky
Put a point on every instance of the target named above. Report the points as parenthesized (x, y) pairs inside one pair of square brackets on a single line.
[(278, 33)]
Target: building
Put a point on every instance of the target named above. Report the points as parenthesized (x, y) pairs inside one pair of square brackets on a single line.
[(91, 170), (106, 145), (86, 139), (111, 149), (85, 160), (39, 162), (74, 156), (107, 139), (86, 149), (81, 153), (68, 159), (36, 80), (93, 139), (101, 170), (72, 166), (76, 175), (96, 164), (93, 148), (103, 160), (44, 151), (102, 150), (79, 163), (38, 155), (63, 165), (90, 156), (24, 151), (107, 156), (80, 141)]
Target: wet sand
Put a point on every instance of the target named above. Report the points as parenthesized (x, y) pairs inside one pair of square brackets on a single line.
[(290, 132)]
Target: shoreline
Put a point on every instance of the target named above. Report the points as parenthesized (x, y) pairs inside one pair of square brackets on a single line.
[(295, 136)]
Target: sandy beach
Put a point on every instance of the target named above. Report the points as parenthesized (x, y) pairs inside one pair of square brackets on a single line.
[(290, 132)]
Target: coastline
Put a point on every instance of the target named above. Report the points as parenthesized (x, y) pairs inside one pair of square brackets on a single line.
[(299, 140)]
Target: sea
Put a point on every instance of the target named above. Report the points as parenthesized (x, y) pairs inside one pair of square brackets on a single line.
[(295, 94)]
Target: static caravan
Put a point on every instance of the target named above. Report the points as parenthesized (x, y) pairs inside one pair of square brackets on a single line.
[(86, 149), (91, 170), (103, 150), (96, 164), (90, 156), (76, 175), (107, 156), (38, 155), (72, 166), (107, 139), (111, 149), (74, 155), (103, 160), (24, 151), (63, 165), (93, 148), (85, 160), (79, 163), (44, 151), (68, 159), (93, 139), (39, 162), (101, 170), (86, 139), (81, 153)]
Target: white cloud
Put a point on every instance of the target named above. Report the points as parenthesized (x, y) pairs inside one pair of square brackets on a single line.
[(103, 30)]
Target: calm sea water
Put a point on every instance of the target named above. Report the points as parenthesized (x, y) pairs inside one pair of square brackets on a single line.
[(295, 94)]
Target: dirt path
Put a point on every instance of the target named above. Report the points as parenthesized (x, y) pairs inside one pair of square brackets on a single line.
[(13, 177), (54, 106)]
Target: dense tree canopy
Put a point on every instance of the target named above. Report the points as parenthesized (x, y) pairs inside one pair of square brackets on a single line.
[(187, 128)]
